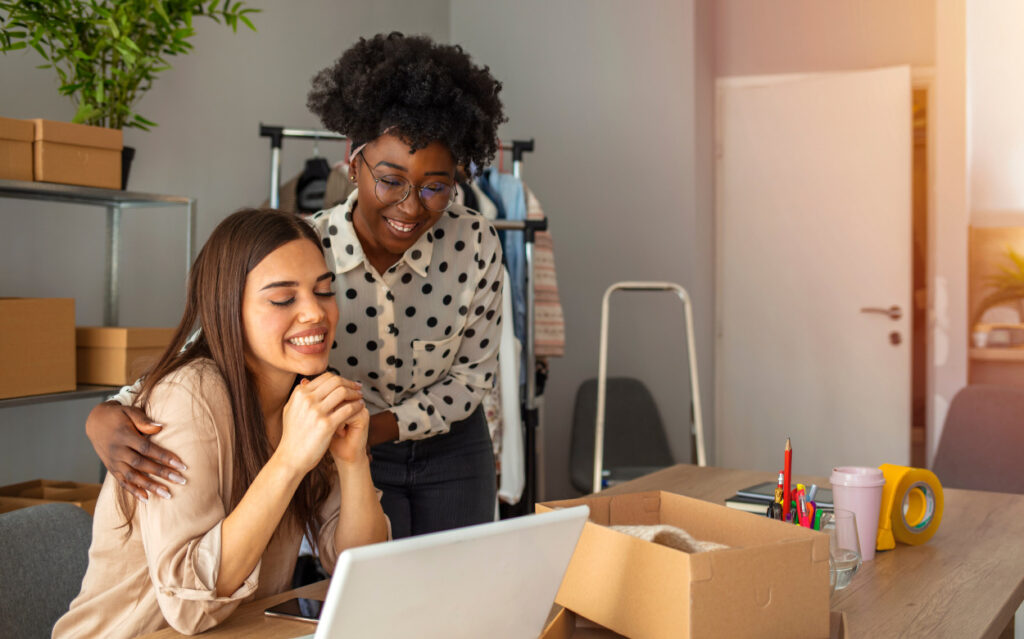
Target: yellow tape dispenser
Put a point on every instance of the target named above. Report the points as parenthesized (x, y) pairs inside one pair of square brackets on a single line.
[(911, 506)]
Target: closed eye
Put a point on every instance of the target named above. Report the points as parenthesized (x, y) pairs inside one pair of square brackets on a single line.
[(324, 293), (286, 302)]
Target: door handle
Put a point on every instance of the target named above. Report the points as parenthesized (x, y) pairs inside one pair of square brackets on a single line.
[(894, 312)]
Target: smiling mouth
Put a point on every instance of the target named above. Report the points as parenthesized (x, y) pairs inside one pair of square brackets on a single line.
[(401, 227), (308, 340)]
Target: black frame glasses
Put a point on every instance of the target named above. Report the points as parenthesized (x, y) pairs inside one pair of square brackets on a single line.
[(386, 192)]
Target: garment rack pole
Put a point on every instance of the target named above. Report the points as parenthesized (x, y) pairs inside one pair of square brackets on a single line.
[(531, 418)]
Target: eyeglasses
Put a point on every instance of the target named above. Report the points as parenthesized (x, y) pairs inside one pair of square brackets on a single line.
[(393, 189)]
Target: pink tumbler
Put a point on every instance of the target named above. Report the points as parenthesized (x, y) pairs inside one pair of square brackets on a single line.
[(859, 490)]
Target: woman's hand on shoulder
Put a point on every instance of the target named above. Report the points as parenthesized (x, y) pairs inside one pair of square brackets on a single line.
[(120, 436), (316, 410)]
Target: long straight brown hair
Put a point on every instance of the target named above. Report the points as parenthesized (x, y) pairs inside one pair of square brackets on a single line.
[(214, 305)]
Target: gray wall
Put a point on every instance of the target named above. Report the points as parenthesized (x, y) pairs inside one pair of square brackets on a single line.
[(614, 95), (208, 107)]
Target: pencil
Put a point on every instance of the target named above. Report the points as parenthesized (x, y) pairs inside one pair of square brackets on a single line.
[(787, 471)]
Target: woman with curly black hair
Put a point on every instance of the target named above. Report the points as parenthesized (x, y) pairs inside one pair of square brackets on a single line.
[(419, 282)]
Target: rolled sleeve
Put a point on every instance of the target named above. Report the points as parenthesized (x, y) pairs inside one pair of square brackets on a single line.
[(330, 511), (455, 395)]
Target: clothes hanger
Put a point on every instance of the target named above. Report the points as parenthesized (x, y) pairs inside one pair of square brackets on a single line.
[(312, 182)]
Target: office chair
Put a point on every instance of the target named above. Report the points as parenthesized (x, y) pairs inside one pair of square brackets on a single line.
[(635, 443), (43, 555), (983, 440)]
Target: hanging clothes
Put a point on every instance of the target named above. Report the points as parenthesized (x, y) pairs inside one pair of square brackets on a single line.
[(548, 320), (487, 207), (336, 190), (501, 407), (509, 190)]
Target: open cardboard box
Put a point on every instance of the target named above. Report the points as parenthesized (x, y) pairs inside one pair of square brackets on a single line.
[(45, 491), (565, 624), (117, 355), (773, 581)]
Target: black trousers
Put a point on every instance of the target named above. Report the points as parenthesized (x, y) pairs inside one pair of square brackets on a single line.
[(438, 483)]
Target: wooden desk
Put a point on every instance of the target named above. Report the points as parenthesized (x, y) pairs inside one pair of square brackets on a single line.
[(967, 581)]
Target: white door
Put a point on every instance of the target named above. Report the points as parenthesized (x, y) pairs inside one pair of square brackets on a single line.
[(813, 218)]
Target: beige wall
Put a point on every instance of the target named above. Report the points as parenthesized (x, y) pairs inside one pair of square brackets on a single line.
[(996, 106), (755, 37), (209, 108)]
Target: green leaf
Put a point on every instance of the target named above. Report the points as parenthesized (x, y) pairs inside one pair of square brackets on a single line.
[(108, 53), (161, 11), (85, 113)]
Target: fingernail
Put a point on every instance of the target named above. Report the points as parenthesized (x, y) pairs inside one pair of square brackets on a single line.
[(157, 423), (175, 477), (304, 381), (143, 497), (163, 492), (180, 466)]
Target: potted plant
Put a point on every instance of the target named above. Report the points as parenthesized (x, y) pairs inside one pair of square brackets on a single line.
[(108, 52), (1008, 287)]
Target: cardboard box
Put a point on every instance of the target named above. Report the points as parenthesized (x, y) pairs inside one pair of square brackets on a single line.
[(77, 154), (117, 355), (37, 346), (773, 581), (16, 149), (46, 491)]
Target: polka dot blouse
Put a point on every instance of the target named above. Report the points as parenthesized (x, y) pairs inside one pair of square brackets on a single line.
[(423, 336)]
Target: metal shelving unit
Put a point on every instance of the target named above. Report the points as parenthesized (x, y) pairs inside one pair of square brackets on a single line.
[(82, 392), (116, 202)]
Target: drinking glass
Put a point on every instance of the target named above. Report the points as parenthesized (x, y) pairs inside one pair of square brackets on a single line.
[(844, 547)]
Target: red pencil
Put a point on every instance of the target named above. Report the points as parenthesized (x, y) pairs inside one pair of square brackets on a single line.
[(787, 473)]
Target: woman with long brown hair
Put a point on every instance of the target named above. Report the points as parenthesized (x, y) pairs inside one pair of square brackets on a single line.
[(269, 460), (420, 279)]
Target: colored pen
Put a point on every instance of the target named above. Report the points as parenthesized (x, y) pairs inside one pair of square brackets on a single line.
[(779, 490), (787, 470), (812, 492), (801, 506)]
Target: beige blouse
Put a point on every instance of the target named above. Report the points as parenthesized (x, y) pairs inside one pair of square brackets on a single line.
[(166, 571)]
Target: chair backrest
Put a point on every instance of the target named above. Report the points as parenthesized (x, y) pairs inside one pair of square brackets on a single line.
[(633, 431), (44, 551), (982, 442)]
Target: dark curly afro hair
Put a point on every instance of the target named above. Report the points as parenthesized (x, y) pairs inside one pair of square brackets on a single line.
[(423, 91)]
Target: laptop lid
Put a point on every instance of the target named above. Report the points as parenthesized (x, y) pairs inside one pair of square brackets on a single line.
[(495, 580)]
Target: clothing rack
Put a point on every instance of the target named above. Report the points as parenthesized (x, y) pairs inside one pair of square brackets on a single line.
[(530, 414)]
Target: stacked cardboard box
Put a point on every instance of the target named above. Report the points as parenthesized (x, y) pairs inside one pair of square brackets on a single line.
[(77, 154), (37, 346), (16, 149), (117, 355)]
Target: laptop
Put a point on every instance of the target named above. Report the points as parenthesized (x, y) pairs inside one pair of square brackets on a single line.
[(495, 580)]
